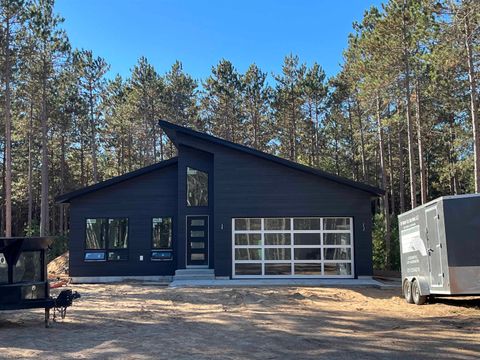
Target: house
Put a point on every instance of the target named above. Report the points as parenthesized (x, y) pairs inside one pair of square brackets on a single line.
[(222, 209)]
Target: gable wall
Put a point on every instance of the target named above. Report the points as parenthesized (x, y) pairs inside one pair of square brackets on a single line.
[(140, 198)]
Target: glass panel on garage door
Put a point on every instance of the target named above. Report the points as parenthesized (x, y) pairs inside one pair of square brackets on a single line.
[(292, 247)]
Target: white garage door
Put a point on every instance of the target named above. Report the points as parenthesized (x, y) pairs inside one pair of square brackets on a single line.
[(292, 247)]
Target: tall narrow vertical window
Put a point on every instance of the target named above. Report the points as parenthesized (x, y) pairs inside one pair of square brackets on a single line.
[(197, 187), (96, 233), (162, 233)]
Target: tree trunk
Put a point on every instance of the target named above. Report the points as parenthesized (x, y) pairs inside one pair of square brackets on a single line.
[(390, 168), (162, 150), (411, 155), (2, 218), (352, 143), (421, 158), (362, 143), (337, 157), (386, 206), (82, 157), (452, 158), (473, 102), (293, 150), (8, 134), (255, 129), (317, 135), (93, 139), (30, 185), (44, 217), (311, 125), (62, 182), (401, 175)]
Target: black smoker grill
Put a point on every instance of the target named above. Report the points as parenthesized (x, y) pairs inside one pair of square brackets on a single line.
[(23, 275)]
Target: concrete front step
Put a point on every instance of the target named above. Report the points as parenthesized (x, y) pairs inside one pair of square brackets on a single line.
[(194, 274)]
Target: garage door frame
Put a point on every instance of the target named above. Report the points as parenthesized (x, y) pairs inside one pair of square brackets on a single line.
[(292, 246)]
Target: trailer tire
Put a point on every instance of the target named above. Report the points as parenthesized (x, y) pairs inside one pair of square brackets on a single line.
[(418, 299), (407, 291)]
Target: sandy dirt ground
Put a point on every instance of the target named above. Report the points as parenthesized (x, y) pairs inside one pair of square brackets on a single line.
[(134, 321)]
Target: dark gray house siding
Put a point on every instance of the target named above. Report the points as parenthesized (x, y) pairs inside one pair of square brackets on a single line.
[(138, 199), (200, 160), (242, 183), (248, 186)]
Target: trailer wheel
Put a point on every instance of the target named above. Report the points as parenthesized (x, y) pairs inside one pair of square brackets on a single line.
[(417, 298), (407, 291)]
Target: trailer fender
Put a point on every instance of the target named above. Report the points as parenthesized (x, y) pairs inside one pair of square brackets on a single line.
[(424, 288)]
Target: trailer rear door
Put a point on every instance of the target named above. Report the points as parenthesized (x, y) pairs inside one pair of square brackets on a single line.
[(434, 247)]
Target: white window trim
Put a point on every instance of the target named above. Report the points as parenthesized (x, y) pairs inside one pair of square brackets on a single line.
[(292, 247)]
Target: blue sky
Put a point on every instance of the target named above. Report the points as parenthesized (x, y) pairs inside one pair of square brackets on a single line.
[(199, 32)]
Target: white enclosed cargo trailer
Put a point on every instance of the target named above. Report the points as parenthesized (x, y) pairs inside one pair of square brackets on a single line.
[(440, 248)]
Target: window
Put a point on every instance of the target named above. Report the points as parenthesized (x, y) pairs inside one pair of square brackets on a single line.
[(106, 239), (162, 233), (295, 247), (96, 231), (3, 269), (117, 233), (197, 187), (161, 239)]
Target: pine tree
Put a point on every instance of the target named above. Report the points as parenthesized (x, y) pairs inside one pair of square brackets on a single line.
[(256, 97), (91, 73), (287, 104), (221, 102), (50, 45)]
